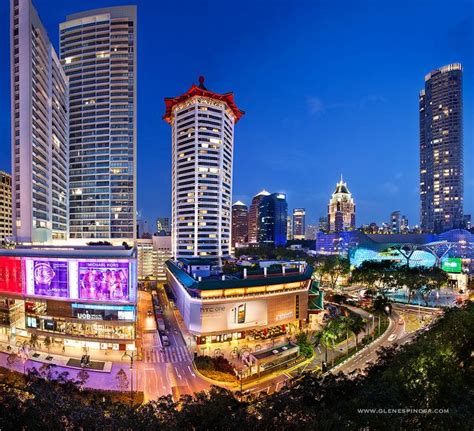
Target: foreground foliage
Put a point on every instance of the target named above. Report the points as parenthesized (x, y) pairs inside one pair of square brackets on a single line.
[(435, 372)]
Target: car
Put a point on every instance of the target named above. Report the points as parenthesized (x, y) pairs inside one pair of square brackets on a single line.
[(165, 340), (149, 313), (400, 321), (392, 337)]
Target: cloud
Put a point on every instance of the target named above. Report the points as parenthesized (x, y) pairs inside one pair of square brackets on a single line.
[(317, 106), (390, 188)]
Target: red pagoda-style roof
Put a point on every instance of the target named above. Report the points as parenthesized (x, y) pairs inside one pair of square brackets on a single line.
[(201, 90)]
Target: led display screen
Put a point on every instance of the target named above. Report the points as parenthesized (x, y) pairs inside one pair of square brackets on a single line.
[(50, 278), (452, 264), (10, 275), (104, 280)]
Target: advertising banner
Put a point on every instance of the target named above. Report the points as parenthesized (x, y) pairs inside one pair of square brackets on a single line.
[(50, 278), (10, 275), (233, 316), (104, 280), (452, 264)]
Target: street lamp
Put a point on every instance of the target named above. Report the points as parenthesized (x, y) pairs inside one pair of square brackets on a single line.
[(133, 355)]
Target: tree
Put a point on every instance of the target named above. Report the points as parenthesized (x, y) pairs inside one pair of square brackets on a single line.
[(380, 276), (306, 349), (34, 341), (122, 380), (331, 268), (435, 279), (82, 378), (356, 325), (12, 359), (47, 343)]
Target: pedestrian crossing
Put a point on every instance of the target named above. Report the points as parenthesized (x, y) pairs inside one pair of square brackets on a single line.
[(170, 354)]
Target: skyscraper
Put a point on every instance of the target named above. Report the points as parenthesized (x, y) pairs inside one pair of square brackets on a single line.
[(163, 226), (395, 222), (273, 211), (441, 150), (98, 52), (39, 106), (202, 151), (289, 228), (254, 216), (240, 223), (299, 223), (341, 209), (6, 216)]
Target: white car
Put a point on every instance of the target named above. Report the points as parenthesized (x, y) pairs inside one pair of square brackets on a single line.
[(392, 337)]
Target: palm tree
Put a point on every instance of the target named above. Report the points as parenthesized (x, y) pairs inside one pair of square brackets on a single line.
[(356, 325)]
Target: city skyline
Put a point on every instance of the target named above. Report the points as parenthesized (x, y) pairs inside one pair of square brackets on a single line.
[(378, 93)]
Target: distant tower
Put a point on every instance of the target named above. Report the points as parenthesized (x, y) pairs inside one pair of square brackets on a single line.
[(254, 216), (202, 151), (273, 212), (341, 209), (289, 227), (299, 223), (240, 223), (395, 222), (5, 205), (441, 150)]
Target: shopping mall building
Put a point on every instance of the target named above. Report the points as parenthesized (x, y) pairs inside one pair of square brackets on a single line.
[(77, 296), (252, 304)]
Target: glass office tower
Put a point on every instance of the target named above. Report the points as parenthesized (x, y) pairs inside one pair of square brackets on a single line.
[(98, 52), (441, 150)]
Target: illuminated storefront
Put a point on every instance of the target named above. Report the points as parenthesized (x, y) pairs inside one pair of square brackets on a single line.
[(84, 294), (216, 310)]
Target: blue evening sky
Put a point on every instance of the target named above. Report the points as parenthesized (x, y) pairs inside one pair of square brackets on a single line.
[(328, 87)]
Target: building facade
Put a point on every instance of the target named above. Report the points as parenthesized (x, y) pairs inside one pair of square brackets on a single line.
[(273, 213), (6, 216), (218, 310), (78, 296), (151, 257), (395, 222), (202, 124), (254, 216), (240, 223), (98, 53), (289, 228), (341, 209), (163, 226), (441, 150), (39, 107), (299, 223)]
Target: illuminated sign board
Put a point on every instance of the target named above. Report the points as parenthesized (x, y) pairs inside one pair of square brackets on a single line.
[(104, 280), (452, 264), (235, 315), (10, 275), (47, 277), (103, 312)]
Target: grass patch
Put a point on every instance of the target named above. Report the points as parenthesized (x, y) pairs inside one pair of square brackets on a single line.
[(219, 376)]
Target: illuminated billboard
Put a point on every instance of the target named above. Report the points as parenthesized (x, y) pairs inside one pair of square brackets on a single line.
[(232, 316), (48, 278), (10, 275), (104, 280), (452, 264)]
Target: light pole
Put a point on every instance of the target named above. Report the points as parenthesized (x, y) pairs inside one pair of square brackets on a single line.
[(133, 355)]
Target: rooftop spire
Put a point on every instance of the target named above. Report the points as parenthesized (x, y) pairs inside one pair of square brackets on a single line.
[(201, 82)]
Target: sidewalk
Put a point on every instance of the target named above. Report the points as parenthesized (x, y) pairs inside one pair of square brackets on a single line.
[(60, 360)]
